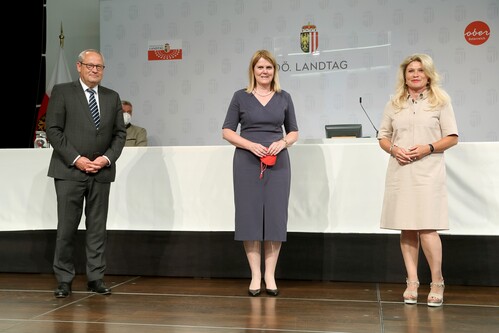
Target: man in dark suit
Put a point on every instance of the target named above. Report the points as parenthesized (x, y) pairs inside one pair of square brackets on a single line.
[(86, 129)]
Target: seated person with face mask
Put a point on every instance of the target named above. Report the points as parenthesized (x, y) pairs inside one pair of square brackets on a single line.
[(135, 136)]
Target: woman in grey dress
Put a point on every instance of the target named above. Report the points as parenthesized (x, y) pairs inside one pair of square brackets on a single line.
[(268, 126), (418, 125)]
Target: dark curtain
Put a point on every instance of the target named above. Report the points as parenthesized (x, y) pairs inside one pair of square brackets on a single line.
[(24, 55)]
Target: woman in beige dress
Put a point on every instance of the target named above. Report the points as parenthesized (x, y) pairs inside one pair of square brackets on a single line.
[(418, 125)]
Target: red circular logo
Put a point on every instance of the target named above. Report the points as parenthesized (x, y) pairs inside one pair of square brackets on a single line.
[(477, 33)]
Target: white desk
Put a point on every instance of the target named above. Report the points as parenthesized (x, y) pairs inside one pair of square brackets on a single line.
[(337, 187)]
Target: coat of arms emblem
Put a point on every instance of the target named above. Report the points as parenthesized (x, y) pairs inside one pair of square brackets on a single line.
[(309, 38)]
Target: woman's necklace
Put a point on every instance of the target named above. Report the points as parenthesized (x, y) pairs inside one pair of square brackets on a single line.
[(262, 95)]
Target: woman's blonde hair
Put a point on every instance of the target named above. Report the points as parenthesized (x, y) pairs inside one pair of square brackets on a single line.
[(274, 85), (436, 95)]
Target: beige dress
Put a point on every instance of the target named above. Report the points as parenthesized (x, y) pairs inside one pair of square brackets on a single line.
[(416, 194)]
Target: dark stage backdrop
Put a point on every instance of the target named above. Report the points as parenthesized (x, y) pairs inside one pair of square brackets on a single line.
[(24, 56), (468, 260)]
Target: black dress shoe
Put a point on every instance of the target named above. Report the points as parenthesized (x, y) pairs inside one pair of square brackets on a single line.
[(63, 290), (99, 287), (254, 292), (272, 292)]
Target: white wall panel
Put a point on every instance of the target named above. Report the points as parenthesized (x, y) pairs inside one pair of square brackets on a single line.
[(183, 102)]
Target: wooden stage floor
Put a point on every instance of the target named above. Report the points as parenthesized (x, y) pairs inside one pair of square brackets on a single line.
[(191, 305)]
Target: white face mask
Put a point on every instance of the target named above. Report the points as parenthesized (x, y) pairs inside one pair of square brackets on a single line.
[(127, 117)]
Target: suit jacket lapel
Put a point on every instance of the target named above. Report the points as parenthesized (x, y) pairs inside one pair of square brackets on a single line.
[(103, 106)]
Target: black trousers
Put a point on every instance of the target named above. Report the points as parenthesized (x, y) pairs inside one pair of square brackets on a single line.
[(72, 198)]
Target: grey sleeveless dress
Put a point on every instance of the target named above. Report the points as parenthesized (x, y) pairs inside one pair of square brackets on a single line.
[(261, 204)]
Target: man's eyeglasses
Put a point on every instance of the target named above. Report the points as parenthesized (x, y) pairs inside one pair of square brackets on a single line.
[(99, 68)]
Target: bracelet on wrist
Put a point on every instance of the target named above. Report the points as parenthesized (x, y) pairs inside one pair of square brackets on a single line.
[(391, 148), (285, 141), (431, 148)]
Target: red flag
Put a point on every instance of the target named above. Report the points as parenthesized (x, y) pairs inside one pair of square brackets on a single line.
[(60, 74)]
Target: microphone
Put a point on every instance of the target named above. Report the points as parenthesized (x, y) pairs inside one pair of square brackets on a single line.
[(360, 102)]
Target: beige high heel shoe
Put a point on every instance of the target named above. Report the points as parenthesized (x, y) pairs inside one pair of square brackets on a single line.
[(436, 299), (411, 296)]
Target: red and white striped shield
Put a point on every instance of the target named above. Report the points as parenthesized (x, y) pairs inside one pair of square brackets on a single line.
[(309, 38)]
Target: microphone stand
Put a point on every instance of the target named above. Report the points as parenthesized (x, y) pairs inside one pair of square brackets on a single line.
[(360, 102)]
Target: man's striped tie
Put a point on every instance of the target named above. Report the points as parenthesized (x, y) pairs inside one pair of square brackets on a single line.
[(94, 109)]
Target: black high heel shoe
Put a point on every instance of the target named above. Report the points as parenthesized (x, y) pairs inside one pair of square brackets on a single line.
[(254, 292), (272, 292)]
